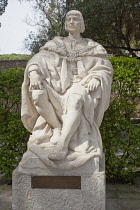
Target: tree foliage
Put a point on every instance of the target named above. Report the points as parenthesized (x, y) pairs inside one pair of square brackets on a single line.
[(3, 4), (113, 23), (50, 23)]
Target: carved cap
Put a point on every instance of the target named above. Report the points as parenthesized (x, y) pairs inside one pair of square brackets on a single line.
[(76, 12)]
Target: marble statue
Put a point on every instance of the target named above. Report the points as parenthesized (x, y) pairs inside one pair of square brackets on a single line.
[(65, 92)]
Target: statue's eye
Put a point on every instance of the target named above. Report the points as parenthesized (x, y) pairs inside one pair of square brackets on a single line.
[(76, 19)]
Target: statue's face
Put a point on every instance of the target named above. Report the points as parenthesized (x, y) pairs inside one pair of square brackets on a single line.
[(73, 23)]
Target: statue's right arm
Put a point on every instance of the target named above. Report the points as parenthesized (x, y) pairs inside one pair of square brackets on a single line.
[(35, 78)]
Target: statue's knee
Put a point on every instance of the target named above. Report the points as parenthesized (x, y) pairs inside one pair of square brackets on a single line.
[(39, 97), (75, 102), (96, 101)]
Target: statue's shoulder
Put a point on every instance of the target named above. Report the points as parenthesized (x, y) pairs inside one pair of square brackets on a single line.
[(58, 40), (48, 45), (98, 48), (54, 43)]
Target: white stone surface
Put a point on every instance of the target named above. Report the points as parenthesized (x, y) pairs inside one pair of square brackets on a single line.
[(90, 196), (65, 92), (31, 164)]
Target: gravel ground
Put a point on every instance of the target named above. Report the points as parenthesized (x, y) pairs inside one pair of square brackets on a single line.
[(5, 194)]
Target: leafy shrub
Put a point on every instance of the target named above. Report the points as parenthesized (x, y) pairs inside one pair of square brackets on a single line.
[(121, 137), (12, 133), (14, 56)]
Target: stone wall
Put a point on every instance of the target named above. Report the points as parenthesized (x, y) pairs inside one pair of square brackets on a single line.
[(6, 64)]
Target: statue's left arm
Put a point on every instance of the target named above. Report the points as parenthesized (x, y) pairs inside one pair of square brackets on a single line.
[(98, 81), (99, 69)]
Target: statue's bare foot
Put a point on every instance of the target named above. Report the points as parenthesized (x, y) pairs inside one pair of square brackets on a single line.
[(56, 136), (59, 153)]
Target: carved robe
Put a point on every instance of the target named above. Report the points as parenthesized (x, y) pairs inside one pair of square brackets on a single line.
[(63, 66)]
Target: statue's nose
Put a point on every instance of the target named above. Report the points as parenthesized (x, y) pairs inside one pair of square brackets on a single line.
[(71, 21)]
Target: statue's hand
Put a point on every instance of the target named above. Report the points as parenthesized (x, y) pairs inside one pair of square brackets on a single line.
[(35, 81), (92, 85)]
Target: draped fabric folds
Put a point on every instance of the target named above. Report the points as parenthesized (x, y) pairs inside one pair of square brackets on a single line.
[(52, 62)]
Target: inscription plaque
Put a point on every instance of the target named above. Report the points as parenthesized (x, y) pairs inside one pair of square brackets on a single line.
[(56, 182)]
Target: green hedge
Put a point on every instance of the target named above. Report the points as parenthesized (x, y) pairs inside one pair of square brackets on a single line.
[(15, 57), (120, 135), (12, 133)]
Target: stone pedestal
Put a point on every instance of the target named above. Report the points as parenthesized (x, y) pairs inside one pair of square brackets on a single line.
[(91, 196)]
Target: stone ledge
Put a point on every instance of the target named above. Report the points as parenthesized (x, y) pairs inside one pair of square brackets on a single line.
[(31, 164)]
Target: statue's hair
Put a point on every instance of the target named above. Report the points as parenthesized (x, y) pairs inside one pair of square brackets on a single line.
[(76, 12)]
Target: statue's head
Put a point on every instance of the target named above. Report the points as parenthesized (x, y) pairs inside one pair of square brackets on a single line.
[(77, 17)]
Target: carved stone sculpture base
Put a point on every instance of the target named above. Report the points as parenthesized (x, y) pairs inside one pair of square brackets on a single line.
[(90, 196)]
